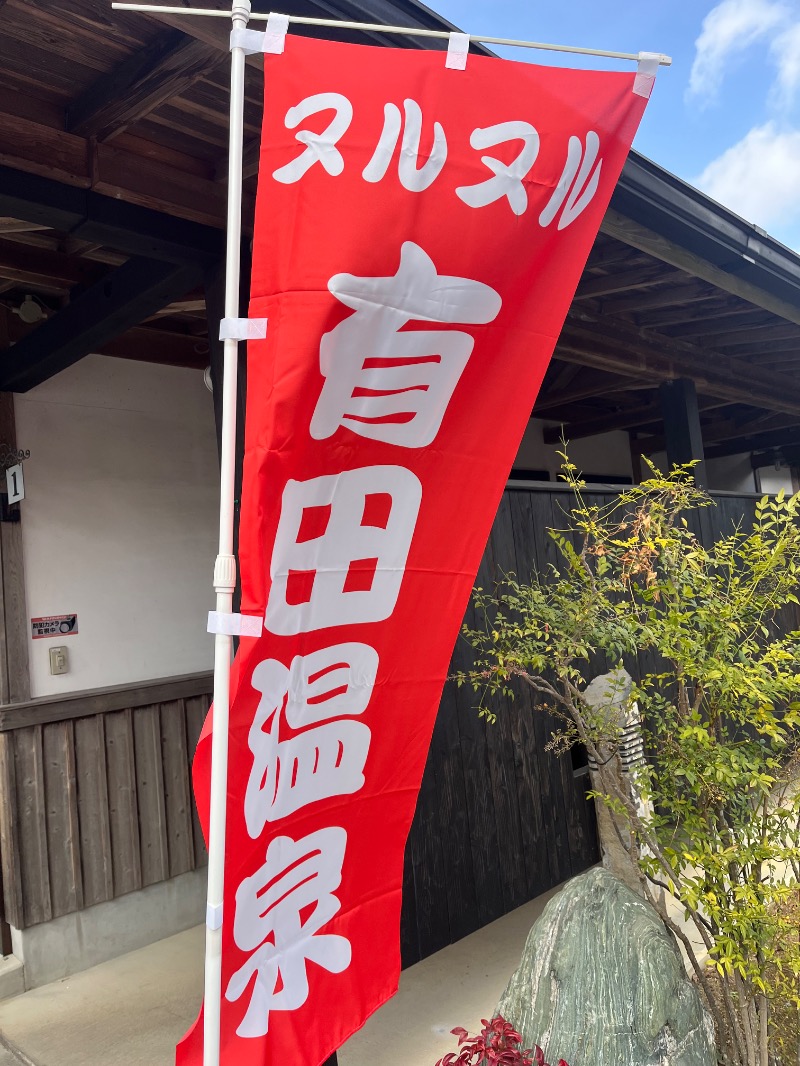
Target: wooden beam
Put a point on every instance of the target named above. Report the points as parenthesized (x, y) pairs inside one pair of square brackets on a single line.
[(765, 347), (189, 306), (768, 334), (634, 418), (591, 427), (68, 159), (773, 439), (89, 216), (48, 271), (624, 281), (623, 229), (599, 386), (716, 321), (162, 346), (722, 306), (768, 360), (133, 292), (166, 68), (731, 429), (607, 252), (679, 295), (15, 225), (624, 349)]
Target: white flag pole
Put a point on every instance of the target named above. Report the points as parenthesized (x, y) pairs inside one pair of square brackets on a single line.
[(410, 31), (225, 566)]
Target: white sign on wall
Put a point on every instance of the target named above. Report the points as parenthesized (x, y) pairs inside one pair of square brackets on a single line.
[(15, 483)]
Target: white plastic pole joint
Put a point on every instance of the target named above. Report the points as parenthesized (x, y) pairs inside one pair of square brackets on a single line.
[(225, 566)]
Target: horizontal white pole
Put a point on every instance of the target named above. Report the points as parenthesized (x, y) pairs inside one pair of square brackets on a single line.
[(377, 27)]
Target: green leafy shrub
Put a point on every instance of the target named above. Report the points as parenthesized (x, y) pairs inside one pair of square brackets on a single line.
[(720, 708)]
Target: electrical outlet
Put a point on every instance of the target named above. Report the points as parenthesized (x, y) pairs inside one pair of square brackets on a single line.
[(59, 660)]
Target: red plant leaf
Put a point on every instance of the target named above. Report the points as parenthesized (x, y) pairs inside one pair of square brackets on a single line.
[(497, 1044)]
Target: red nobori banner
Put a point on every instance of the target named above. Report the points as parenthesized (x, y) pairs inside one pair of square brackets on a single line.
[(420, 232)]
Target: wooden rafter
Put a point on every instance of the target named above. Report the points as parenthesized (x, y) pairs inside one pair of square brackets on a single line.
[(722, 306), (636, 418), (625, 281), (775, 358), (715, 323), (44, 271), (646, 240), (88, 216), (599, 385), (667, 296), (138, 86), (769, 333), (37, 149), (624, 349), (105, 310), (772, 439), (148, 345)]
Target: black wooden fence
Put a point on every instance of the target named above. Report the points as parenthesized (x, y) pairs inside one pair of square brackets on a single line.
[(499, 819)]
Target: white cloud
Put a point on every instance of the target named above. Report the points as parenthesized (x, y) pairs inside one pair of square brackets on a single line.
[(759, 177), (786, 52), (729, 28)]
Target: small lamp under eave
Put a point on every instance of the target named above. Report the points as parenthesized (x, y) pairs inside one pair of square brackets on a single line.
[(31, 310)]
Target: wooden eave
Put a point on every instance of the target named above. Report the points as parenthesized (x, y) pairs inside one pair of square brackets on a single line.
[(112, 176)]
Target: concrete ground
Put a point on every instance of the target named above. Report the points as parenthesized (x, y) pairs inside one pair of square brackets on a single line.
[(131, 1011)]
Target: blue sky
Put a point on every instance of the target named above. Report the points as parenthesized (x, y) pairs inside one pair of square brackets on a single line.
[(725, 116)]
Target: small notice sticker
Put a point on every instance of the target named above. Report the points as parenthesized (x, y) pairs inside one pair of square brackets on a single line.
[(54, 625)]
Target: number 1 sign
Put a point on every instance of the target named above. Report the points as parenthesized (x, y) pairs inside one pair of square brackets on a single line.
[(15, 483)]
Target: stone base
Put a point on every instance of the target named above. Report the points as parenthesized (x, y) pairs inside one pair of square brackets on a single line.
[(74, 942), (601, 983)]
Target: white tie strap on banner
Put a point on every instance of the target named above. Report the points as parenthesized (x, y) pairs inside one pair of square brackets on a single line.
[(243, 329), (275, 34), (646, 74), (457, 51), (272, 41), (235, 625), (250, 41)]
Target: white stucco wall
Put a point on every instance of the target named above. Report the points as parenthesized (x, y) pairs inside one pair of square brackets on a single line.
[(606, 454), (731, 473), (120, 520), (734, 473)]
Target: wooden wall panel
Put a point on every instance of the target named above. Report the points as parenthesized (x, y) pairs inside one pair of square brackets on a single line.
[(61, 806), (11, 904), (123, 810), (178, 799), (100, 804), (450, 797), (196, 711), (94, 810), (32, 817), (150, 793)]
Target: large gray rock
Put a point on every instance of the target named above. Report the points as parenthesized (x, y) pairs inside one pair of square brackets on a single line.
[(601, 983)]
